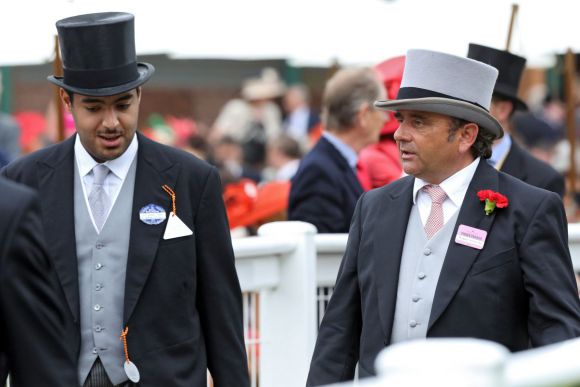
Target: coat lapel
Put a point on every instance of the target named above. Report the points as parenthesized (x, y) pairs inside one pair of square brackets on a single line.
[(56, 188), (460, 258), (154, 169), (388, 246)]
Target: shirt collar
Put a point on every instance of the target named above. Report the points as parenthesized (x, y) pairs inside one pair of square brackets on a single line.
[(500, 149), (455, 186), (346, 151), (119, 166)]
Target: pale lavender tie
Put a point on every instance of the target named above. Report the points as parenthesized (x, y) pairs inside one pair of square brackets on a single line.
[(98, 199), (435, 219)]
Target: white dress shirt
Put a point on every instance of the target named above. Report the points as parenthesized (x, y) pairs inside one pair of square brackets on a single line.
[(119, 168), (455, 186)]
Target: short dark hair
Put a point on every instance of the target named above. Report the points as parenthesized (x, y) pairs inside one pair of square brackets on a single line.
[(482, 145)]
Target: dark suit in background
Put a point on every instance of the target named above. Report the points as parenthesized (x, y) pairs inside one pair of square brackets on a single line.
[(519, 163), (324, 190), (519, 290), (182, 297), (32, 334)]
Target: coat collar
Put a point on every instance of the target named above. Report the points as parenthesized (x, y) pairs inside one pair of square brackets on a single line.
[(389, 245), (55, 174), (327, 147), (56, 185), (154, 169), (460, 258)]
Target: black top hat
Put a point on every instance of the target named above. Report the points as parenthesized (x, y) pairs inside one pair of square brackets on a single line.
[(510, 68), (98, 54)]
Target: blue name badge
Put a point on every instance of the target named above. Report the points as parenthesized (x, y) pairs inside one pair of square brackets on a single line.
[(152, 214)]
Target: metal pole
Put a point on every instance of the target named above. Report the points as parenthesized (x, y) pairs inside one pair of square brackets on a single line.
[(570, 81), (57, 70), (515, 8)]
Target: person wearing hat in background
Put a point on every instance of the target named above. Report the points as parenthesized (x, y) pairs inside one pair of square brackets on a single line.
[(32, 315), (508, 156), (137, 230), (426, 257), (379, 163), (254, 119), (325, 188)]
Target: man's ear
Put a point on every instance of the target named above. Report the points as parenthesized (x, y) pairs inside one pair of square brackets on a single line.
[(65, 98), (467, 136)]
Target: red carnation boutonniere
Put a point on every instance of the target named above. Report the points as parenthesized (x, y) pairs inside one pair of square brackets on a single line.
[(492, 200)]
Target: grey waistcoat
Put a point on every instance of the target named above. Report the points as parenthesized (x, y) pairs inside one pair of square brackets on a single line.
[(102, 263), (421, 265)]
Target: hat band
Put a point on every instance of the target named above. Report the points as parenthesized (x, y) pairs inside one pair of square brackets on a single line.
[(417, 92), (97, 79)]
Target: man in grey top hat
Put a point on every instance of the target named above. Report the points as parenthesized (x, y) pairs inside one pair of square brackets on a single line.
[(508, 156), (137, 230), (456, 249)]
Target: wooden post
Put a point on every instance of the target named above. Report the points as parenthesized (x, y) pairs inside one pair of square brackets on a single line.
[(515, 8), (57, 71), (569, 92)]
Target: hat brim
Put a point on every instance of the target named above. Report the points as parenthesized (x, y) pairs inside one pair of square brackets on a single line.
[(450, 107), (145, 71)]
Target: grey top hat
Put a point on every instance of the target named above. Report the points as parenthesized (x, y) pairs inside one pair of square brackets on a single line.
[(98, 54), (447, 84)]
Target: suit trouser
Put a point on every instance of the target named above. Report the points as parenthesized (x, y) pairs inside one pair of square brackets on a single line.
[(98, 377)]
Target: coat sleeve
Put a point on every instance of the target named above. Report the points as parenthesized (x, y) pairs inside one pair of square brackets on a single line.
[(554, 306), (32, 312), (337, 346), (219, 295)]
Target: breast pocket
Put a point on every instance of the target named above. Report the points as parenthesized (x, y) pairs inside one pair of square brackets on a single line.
[(495, 261)]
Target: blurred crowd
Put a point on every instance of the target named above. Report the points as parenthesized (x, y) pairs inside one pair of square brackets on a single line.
[(260, 137)]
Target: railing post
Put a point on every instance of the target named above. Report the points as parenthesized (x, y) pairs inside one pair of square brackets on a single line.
[(288, 312)]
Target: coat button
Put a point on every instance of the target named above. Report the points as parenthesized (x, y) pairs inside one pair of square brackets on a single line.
[(98, 328), (427, 251), (98, 266), (416, 299), (97, 307), (421, 276), (412, 323), (99, 246), (98, 287)]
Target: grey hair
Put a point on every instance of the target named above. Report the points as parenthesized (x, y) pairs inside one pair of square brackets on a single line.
[(344, 95)]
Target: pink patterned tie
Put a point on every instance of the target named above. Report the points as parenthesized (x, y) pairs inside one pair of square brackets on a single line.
[(435, 219)]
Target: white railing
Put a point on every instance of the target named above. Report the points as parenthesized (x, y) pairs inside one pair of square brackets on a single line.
[(287, 274), (473, 363)]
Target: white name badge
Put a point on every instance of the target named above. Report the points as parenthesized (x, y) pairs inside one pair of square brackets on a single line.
[(176, 228), (152, 214), (470, 236)]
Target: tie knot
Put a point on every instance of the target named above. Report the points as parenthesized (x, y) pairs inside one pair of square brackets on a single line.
[(100, 172), (435, 192)]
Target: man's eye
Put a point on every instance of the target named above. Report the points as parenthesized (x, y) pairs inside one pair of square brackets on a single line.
[(92, 109), (123, 106)]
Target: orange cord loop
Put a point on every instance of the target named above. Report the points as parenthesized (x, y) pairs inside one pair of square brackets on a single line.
[(172, 194), (124, 340)]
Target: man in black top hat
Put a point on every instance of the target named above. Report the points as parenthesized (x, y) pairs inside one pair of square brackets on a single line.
[(507, 154), (137, 230)]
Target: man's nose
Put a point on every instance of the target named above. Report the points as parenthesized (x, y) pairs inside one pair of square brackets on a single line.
[(110, 120)]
